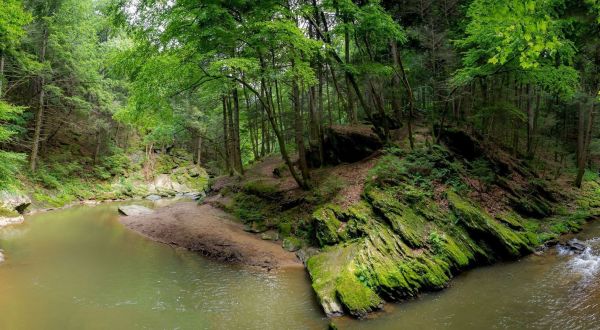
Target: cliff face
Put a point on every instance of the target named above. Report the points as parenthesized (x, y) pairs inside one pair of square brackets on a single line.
[(425, 216)]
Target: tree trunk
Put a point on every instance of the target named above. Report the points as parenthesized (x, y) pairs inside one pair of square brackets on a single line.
[(279, 137), (396, 102), (411, 101), (583, 140), (39, 116), (97, 151), (226, 138), (351, 109), (530, 123), (199, 150), (1, 74), (236, 132), (299, 133)]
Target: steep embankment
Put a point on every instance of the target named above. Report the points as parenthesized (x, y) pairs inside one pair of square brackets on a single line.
[(398, 223), (426, 215)]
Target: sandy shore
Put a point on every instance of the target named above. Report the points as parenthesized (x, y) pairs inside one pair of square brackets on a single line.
[(211, 232)]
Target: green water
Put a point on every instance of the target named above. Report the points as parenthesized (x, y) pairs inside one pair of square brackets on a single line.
[(80, 269)]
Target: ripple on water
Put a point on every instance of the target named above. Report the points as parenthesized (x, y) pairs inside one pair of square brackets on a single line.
[(585, 264)]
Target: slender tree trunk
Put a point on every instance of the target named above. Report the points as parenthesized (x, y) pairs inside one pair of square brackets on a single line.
[(251, 126), (226, 138), (411, 101), (299, 133), (1, 74), (278, 136), (97, 151), (583, 140), (396, 102), (351, 109), (39, 116), (530, 122), (199, 150), (236, 132)]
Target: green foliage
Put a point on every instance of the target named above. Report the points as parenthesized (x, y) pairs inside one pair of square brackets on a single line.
[(13, 18), (482, 170), (325, 191), (261, 189), (10, 162), (251, 208), (524, 34)]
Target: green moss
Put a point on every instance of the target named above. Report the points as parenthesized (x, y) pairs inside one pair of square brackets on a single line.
[(291, 244), (450, 251), (356, 297), (570, 223), (324, 269), (6, 213), (250, 208), (285, 229), (403, 220), (486, 229), (327, 226), (511, 219), (261, 188)]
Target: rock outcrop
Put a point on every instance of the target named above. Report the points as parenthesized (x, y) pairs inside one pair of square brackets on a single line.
[(134, 210), (12, 207), (417, 225), (345, 144)]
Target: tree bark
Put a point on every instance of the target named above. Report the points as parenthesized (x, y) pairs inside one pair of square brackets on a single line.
[(583, 140), (411, 100), (226, 138), (236, 132), (1, 74), (299, 133), (530, 122), (39, 116)]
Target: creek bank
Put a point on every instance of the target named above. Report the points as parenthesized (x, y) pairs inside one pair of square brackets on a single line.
[(173, 177), (210, 232), (426, 215), (399, 222)]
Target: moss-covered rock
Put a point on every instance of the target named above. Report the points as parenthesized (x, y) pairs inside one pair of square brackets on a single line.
[(291, 244), (328, 228), (357, 298), (402, 219), (412, 231), (487, 230)]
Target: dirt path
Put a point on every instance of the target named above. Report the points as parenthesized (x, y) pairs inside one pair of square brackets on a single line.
[(211, 232)]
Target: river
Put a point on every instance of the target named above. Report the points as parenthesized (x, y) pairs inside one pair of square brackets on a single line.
[(79, 268)]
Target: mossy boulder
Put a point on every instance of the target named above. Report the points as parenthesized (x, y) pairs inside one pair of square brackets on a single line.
[(328, 229), (402, 219), (412, 231), (291, 244), (487, 230)]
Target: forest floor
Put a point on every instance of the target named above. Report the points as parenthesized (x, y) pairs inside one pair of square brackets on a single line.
[(211, 232)]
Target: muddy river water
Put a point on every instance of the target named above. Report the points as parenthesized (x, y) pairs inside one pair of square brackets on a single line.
[(81, 269)]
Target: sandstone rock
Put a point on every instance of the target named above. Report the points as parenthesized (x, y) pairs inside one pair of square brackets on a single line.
[(6, 221), (134, 210), (153, 197), (291, 244), (14, 201), (270, 236)]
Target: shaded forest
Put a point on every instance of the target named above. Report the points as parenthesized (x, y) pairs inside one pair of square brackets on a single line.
[(234, 81)]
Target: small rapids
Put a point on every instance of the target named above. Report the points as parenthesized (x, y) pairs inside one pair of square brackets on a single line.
[(1, 257), (586, 263)]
